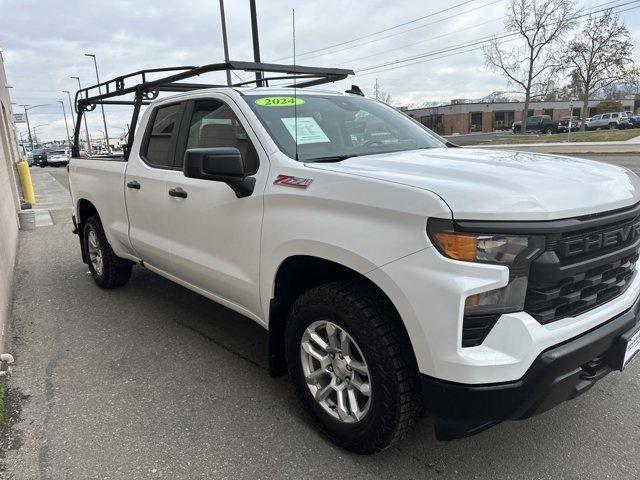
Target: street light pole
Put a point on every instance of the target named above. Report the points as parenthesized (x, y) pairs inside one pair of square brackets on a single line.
[(86, 128), (256, 42), (64, 112), (26, 115), (35, 128), (224, 40), (104, 119), (71, 109)]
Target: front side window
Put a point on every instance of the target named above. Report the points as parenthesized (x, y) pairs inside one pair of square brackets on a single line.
[(158, 150), (213, 124), (335, 126)]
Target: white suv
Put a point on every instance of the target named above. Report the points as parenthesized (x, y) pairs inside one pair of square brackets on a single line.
[(619, 120)]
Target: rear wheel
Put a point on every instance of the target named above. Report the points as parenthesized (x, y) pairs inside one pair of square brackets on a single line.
[(352, 367), (107, 269)]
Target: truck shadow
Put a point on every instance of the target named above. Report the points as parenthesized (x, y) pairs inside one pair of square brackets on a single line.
[(557, 441)]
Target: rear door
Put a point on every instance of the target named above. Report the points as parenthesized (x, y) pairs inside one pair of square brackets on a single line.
[(215, 234), (145, 186)]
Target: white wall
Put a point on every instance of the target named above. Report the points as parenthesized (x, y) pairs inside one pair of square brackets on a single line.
[(9, 203)]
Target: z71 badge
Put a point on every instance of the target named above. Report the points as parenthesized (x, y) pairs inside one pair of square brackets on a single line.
[(289, 181)]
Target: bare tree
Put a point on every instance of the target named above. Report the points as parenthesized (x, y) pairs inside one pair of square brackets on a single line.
[(600, 55), (385, 97), (531, 66), (380, 94)]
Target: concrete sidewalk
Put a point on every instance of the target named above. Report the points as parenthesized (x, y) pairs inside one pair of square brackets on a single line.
[(154, 381), (627, 146)]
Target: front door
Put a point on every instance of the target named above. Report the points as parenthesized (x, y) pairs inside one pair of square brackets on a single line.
[(145, 187), (215, 234)]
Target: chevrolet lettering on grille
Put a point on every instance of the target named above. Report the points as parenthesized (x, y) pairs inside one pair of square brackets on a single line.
[(597, 241)]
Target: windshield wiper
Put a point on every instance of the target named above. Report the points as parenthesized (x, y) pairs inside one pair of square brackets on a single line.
[(334, 158)]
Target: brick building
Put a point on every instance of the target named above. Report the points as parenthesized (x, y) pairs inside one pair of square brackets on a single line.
[(459, 117)]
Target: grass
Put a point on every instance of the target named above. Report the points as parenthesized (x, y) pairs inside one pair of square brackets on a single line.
[(577, 137)]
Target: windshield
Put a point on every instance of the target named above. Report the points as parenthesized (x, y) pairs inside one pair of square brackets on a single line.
[(332, 127)]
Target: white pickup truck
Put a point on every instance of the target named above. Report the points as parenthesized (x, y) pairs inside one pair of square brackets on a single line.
[(392, 270)]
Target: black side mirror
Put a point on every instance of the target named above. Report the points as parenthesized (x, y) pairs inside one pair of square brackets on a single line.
[(220, 164)]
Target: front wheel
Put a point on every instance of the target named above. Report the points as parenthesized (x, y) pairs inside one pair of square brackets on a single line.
[(107, 269), (351, 364)]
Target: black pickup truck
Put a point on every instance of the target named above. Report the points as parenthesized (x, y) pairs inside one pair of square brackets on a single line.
[(537, 123)]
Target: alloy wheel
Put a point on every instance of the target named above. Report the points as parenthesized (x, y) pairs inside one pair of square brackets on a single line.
[(95, 253), (335, 371)]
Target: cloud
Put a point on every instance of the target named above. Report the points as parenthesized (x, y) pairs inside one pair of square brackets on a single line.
[(44, 42)]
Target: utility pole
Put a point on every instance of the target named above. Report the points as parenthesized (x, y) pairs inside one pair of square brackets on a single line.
[(64, 112), (104, 120), (256, 42), (86, 128), (224, 40), (376, 89), (26, 116)]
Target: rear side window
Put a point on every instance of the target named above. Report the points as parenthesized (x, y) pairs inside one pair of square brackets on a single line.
[(159, 146), (605, 117)]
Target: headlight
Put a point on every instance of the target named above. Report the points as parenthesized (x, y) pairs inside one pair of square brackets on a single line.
[(513, 251)]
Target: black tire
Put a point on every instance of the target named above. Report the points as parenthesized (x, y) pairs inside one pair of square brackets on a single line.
[(517, 130), (613, 126), (396, 399), (115, 270)]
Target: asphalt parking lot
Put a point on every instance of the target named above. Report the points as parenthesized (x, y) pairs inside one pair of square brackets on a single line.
[(154, 381)]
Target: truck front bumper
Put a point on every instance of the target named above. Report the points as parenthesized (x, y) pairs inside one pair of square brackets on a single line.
[(560, 373)]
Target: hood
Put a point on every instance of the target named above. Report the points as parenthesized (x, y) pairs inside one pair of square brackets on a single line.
[(483, 184)]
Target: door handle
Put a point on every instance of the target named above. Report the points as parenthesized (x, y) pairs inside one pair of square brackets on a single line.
[(134, 184), (178, 192)]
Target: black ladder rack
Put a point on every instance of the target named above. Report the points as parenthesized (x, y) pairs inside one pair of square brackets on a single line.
[(146, 90)]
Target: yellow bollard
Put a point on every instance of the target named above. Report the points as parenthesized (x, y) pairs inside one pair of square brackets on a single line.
[(25, 181)]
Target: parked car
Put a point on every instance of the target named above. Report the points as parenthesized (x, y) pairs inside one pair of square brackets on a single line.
[(57, 158), (635, 121), (537, 123), (485, 285), (613, 120), (40, 158), (563, 124)]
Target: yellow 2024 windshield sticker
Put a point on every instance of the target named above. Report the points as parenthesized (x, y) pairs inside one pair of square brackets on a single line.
[(279, 101)]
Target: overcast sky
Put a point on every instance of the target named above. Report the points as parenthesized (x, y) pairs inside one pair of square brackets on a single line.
[(43, 43)]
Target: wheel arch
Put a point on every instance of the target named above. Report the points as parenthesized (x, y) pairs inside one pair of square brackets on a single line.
[(84, 210), (295, 275)]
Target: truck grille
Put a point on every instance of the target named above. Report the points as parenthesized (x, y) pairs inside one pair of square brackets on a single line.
[(580, 292), (584, 266)]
